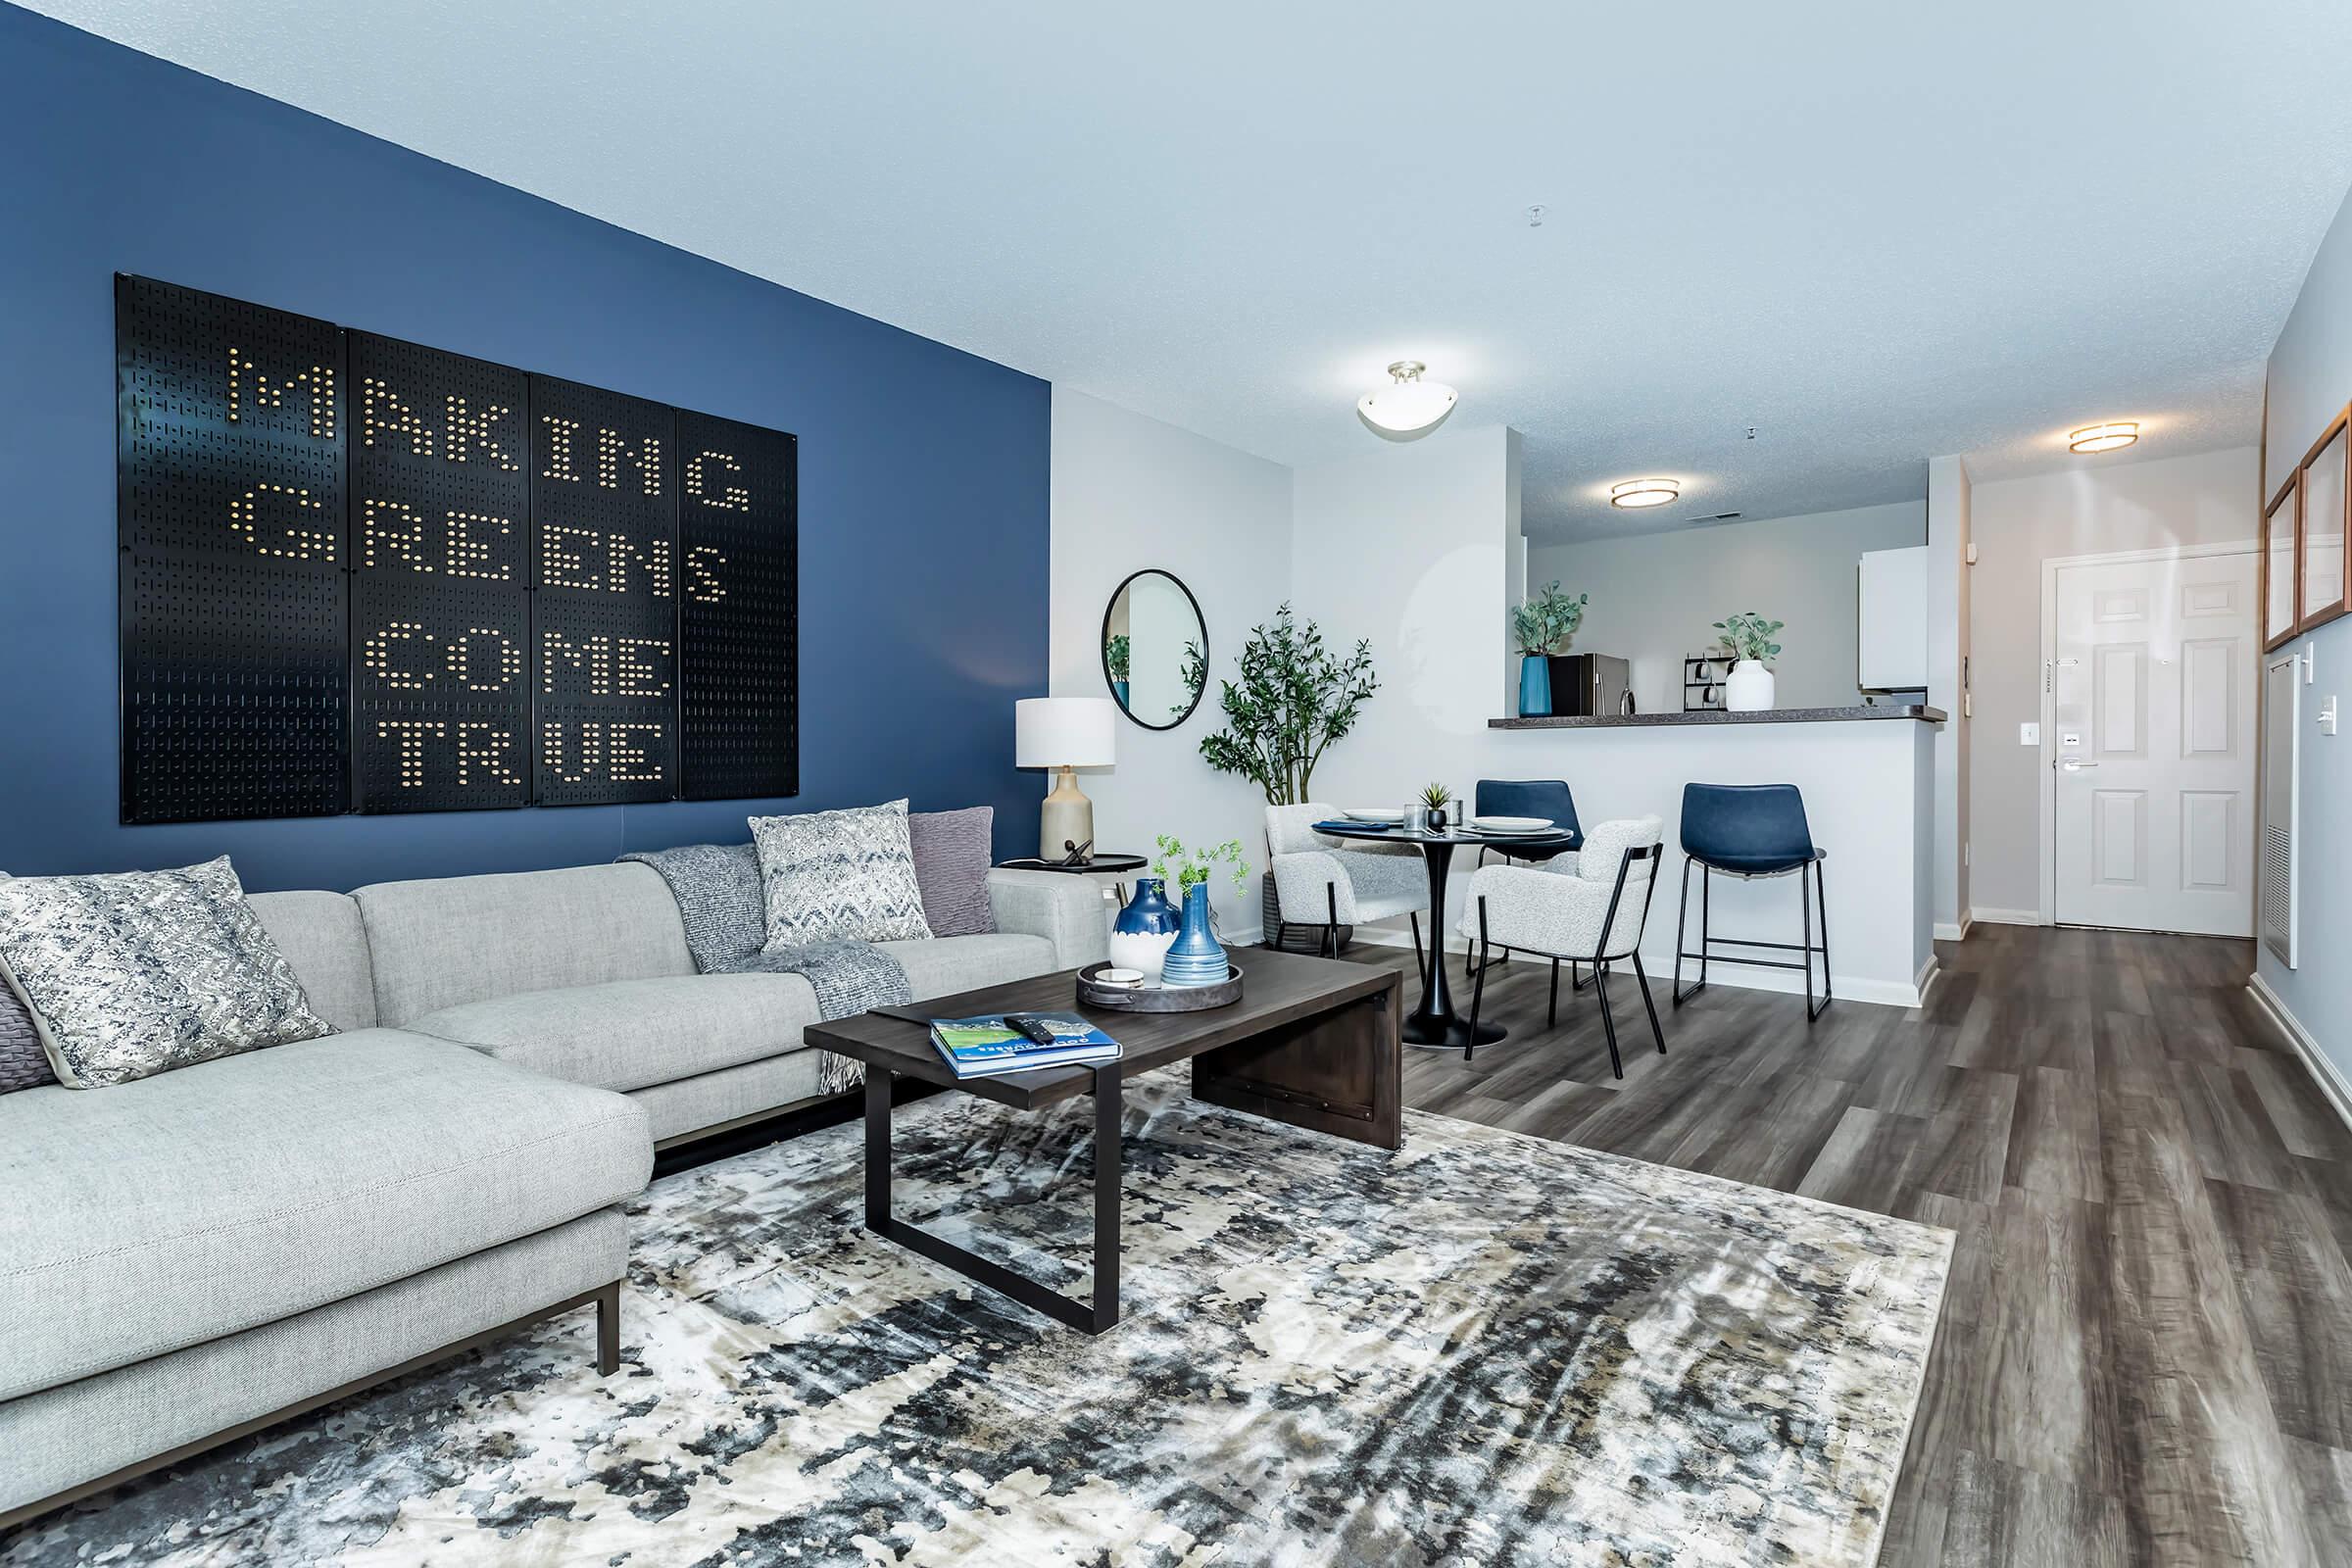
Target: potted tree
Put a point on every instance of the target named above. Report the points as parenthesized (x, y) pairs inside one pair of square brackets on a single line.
[(1294, 698), (1749, 637)]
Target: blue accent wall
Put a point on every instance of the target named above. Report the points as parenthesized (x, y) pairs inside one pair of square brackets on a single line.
[(923, 470)]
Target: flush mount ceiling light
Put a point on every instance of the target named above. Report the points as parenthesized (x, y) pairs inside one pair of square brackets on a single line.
[(1407, 404), (2103, 437), (1645, 492)]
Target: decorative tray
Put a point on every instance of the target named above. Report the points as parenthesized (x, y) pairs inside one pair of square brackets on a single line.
[(1159, 998)]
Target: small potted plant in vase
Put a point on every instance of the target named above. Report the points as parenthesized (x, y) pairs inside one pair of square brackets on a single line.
[(1749, 638), (1563, 616), (1434, 800), (1533, 635), (1196, 957), (1118, 655)]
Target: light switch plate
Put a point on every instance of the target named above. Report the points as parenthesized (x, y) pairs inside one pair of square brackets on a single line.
[(2028, 734)]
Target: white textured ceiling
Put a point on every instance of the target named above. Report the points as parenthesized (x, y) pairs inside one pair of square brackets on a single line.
[(1873, 231)]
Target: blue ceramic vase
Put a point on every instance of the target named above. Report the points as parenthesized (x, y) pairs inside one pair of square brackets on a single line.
[(1534, 686), (1195, 958), (1141, 936)]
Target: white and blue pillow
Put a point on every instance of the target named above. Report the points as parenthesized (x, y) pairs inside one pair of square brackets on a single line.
[(839, 876)]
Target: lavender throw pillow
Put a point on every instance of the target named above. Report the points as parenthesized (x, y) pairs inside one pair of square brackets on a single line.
[(950, 867)]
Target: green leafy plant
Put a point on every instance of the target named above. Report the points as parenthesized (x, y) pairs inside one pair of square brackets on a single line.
[(1294, 697), (1189, 868), (1434, 795), (1749, 635), (1547, 621), (1193, 672), (1116, 652)]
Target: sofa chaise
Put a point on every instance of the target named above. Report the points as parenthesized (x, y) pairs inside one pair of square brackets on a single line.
[(191, 1256)]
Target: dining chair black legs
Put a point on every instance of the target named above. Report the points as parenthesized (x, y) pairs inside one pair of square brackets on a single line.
[(1330, 947)]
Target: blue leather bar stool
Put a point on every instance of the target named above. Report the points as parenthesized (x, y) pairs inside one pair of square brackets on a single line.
[(1546, 798), (1749, 831)]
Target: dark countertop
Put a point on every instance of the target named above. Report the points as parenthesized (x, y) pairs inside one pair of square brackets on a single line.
[(1770, 716)]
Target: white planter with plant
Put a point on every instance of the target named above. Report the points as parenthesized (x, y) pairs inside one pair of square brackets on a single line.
[(1749, 638)]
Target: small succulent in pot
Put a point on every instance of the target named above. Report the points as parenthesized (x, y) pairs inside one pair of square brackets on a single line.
[(1434, 800)]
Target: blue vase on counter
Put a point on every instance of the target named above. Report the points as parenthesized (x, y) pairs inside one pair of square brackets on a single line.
[(1534, 686), (1141, 934), (1195, 958)]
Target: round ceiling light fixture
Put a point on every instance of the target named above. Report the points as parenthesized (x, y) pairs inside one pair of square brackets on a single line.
[(1407, 405), (1645, 492), (2103, 437)]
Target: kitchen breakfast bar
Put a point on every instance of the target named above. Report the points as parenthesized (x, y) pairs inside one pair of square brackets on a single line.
[(1867, 776)]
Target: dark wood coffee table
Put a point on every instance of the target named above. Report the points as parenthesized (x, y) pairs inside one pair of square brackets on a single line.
[(1312, 1042)]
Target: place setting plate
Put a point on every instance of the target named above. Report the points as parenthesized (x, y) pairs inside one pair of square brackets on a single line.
[(1513, 827), (1373, 816)]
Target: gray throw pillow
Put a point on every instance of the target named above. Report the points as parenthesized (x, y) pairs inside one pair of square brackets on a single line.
[(950, 865), (838, 876), (136, 973)]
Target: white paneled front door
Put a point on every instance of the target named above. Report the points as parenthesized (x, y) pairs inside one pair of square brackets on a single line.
[(2152, 703)]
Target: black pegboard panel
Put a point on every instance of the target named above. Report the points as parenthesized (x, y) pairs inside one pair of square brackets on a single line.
[(605, 616), (231, 425), (739, 610), (441, 604)]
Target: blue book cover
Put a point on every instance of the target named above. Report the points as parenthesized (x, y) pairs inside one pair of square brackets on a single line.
[(986, 1044)]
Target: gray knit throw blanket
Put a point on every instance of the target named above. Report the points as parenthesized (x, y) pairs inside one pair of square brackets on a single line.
[(725, 909)]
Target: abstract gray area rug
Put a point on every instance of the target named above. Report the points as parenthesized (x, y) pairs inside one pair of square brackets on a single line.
[(1484, 1349)]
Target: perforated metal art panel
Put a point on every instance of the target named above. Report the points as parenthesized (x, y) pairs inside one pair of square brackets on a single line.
[(739, 610), (358, 571), (441, 604), (604, 663), (231, 520)]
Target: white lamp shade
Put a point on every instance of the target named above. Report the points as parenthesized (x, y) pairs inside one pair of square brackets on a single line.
[(1066, 732)]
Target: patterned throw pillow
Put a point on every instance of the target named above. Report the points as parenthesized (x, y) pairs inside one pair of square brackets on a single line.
[(950, 865), (835, 876), (133, 974), (24, 1064)]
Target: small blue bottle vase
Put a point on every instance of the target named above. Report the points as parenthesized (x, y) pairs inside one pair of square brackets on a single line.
[(1196, 959), (1534, 686)]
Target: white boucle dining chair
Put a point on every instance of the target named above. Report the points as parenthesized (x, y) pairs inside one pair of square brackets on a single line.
[(1588, 907)]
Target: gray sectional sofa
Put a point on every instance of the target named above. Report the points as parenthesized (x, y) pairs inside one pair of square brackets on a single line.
[(195, 1254)]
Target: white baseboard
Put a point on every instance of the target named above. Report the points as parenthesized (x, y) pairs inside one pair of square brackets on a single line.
[(2333, 1087), (1725, 973), (1945, 931), (2006, 917)]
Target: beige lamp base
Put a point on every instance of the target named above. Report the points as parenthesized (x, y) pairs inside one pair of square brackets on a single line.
[(1067, 820)]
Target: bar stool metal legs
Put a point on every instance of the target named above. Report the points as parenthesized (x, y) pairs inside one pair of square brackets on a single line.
[(1809, 891)]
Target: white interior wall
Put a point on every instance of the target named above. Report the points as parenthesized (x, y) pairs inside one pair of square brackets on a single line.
[(2087, 508), (2310, 380), (1655, 597), (1129, 492), (1948, 532)]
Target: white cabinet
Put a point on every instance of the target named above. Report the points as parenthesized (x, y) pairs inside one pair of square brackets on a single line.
[(1894, 637)]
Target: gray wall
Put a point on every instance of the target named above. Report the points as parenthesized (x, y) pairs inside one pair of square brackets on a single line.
[(1656, 596), (2310, 378)]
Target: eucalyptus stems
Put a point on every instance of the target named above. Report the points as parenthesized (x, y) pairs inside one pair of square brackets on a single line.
[(1294, 697), (1749, 635), (1547, 621)]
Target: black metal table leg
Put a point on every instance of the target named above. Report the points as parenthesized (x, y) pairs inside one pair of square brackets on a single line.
[(1435, 1022), (1095, 1315)]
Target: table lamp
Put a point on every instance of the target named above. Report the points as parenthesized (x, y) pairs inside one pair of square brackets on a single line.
[(1067, 733)]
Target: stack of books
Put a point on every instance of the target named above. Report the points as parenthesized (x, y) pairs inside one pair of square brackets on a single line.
[(979, 1048)]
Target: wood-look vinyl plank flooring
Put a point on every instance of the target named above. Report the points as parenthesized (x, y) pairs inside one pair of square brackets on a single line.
[(2146, 1354)]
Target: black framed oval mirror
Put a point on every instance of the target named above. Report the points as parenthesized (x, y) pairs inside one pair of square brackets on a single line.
[(1155, 648)]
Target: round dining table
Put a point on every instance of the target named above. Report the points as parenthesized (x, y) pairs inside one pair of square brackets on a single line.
[(1435, 1022)]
